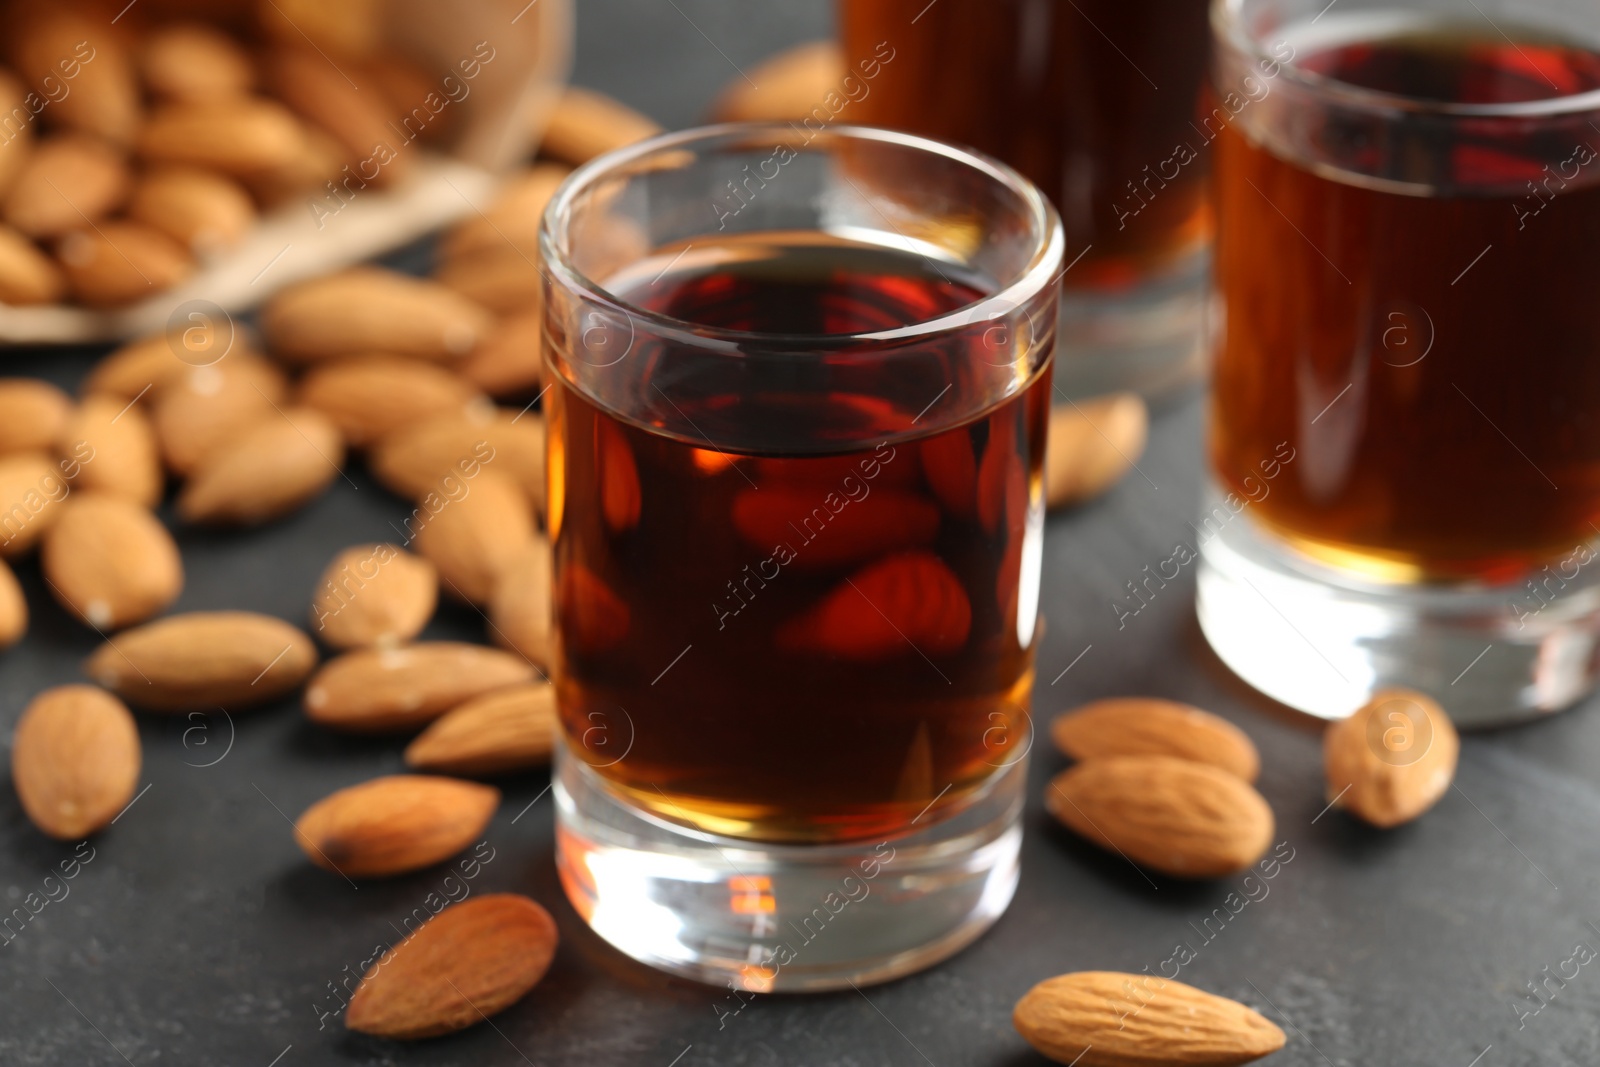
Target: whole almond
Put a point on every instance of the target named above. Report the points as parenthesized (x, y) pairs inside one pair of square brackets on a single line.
[(16, 139), (139, 369), (373, 596), (504, 280), (1107, 1019), (785, 87), (323, 95), (27, 275), (507, 730), (1146, 726), (194, 62), (120, 262), (468, 962), (240, 136), (201, 210), (393, 689), (1393, 759), (368, 310), (110, 562), (1092, 444), (1189, 820), (204, 661), (368, 398), (511, 221), (74, 760), (200, 411), (69, 179), (351, 29), (394, 824), (303, 175), (32, 488), (510, 362), (115, 450), (13, 609), (276, 466), (473, 539), (585, 124), (412, 461), (78, 46), (521, 609), (32, 414)]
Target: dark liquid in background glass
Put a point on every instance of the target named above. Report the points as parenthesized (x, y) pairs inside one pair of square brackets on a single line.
[(1467, 444), (872, 672), (1091, 100)]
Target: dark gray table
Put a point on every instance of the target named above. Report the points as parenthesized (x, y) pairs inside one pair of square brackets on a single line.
[(198, 935)]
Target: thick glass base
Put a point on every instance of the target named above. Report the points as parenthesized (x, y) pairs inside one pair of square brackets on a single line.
[(1322, 640), (1149, 338), (784, 918)]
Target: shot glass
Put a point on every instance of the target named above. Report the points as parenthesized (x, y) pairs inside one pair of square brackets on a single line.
[(797, 417), (1404, 439)]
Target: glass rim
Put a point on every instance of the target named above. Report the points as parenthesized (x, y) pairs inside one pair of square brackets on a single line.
[(1227, 27), (1035, 276)]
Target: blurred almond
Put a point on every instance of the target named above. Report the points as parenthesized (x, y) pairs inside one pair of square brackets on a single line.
[(785, 87), (368, 398), (68, 180), (13, 609), (139, 369), (510, 362), (1146, 726), (372, 311), (474, 538), (395, 824), (521, 608), (1092, 444), (191, 61), (276, 466), (27, 275), (32, 414), (465, 964), (373, 596), (412, 461), (504, 280), (350, 28), (507, 730), (204, 661), (120, 262), (32, 487), (322, 94), (16, 140), (78, 44), (1189, 820), (115, 450), (74, 760), (242, 137), (110, 562), (201, 210), (511, 221), (1393, 759), (382, 690), (585, 124), (202, 409)]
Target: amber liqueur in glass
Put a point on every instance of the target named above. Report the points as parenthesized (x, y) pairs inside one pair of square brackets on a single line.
[(1431, 352), (798, 613)]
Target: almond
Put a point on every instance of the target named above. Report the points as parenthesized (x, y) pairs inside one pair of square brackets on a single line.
[(504, 280), (1106, 1019), (511, 221), (115, 449), (27, 275), (510, 362), (32, 414), (31, 491), (16, 139), (412, 461), (594, 618), (507, 730), (382, 690), (276, 466), (325, 97), (201, 210), (68, 180), (585, 124), (1146, 726), (376, 596), (521, 609), (368, 398), (77, 45), (368, 310), (305, 174), (139, 369), (204, 661), (1189, 820), (784, 87), (121, 262), (203, 409), (190, 61), (394, 824), (109, 561), (351, 29), (882, 522), (904, 604), (243, 137), (74, 760), (473, 538), (13, 609), (1393, 759), (468, 962), (1092, 444)]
